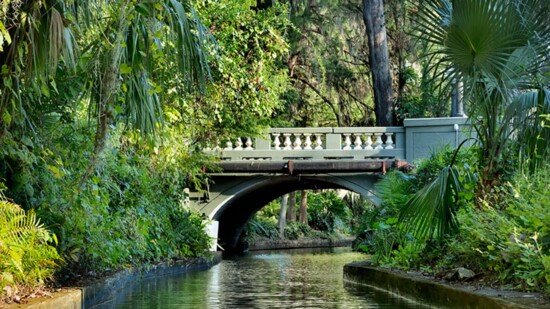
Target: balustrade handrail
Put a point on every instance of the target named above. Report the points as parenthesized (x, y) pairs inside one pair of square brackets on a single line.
[(337, 130), (416, 138)]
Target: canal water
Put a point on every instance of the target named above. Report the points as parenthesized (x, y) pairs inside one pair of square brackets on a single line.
[(274, 279)]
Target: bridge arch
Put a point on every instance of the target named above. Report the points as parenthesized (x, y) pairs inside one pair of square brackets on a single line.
[(236, 199)]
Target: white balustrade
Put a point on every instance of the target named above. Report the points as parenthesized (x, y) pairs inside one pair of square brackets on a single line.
[(297, 145), (378, 143), (287, 142), (389, 141), (276, 141), (239, 144), (296, 139), (358, 142), (368, 142), (371, 141), (318, 141), (217, 147), (321, 143), (228, 145), (347, 141), (307, 143), (248, 144)]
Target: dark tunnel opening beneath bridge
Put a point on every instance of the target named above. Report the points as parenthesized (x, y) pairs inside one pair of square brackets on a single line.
[(234, 215)]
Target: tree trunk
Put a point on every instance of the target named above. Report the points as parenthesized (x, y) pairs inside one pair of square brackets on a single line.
[(110, 81), (379, 60), (282, 216), (303, 208), (108, 88), (457, 107), (291, 212)]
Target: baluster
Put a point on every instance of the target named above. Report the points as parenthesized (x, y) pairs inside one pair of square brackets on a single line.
[(228, 145), (249, 144), (308, 142), (389, 141), (318, 141), (347, 142), (297, 142), (276, 141), (368, 141), (239, 144), (358, 142), (287, 143), (378, 143)]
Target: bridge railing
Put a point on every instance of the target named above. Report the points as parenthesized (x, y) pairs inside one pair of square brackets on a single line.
[(317, 144), (415, 139)]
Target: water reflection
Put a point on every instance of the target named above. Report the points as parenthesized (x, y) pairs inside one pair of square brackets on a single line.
[(286, 279)]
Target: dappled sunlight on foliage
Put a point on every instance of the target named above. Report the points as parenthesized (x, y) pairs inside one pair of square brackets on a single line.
[(28, 257)]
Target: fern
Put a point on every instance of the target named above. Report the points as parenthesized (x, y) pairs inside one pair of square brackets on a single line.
[(27, 257)]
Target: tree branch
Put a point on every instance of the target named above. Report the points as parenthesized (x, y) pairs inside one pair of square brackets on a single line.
[(325, 99)]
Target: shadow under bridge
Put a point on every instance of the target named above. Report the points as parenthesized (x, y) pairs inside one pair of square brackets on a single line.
[(235, 195)]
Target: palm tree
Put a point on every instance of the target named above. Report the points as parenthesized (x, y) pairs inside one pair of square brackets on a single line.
[(500, 49), (113, 48)]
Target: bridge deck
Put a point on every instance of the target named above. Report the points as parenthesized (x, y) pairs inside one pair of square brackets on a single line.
[(292, 167)]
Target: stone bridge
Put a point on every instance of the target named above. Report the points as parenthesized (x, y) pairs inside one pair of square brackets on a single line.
[(253, 172)]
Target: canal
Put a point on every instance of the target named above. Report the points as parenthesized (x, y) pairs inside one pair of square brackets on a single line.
[(274, 279)]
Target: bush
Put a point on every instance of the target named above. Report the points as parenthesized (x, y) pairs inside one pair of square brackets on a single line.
[(378, 232), (296, 230), (27, 255), (127, 211), (259, 226), (327, 212), (506, 238), (512, 244)]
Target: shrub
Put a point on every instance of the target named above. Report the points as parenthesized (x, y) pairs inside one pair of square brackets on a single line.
[(327, 212), (509, 241), (27, 254), (259, 226), (296, 230)]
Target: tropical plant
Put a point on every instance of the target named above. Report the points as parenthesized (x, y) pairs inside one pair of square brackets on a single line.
[(327, 212), (114, 53), (499, 49), (431, 212), (27, 253)]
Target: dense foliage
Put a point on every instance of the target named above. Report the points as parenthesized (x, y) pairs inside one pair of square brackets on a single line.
[(489, 214), (506, 240), (27, 253), (103, 106), (329, 216)]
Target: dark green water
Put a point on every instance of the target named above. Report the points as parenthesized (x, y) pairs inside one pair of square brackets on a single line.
[(283, 279)]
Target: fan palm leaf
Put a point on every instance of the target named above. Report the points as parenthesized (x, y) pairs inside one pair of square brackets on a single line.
[(499, 48), (431, 212)]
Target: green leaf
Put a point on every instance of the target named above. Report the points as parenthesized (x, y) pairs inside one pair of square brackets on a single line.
[(6, 117), (27, 141), (45, 90), (4, 36), (125, 69)]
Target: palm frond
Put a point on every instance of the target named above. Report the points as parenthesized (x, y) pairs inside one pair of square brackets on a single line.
[(431, 212)]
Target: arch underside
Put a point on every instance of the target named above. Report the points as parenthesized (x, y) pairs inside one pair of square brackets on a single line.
[(241, 197)]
